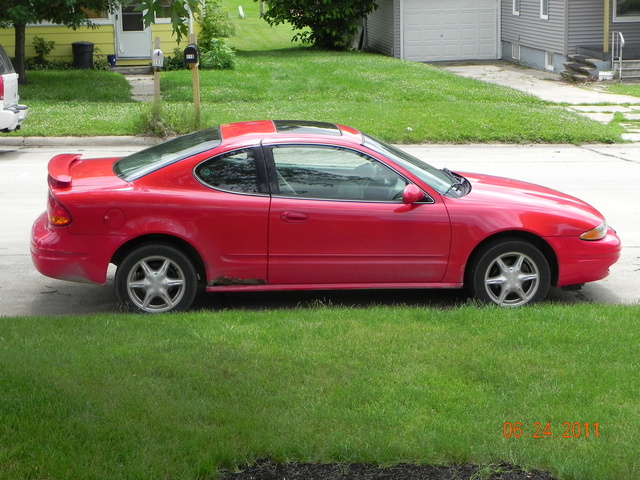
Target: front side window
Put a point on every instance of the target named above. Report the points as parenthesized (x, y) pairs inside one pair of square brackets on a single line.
[(334, 173), (232, 172), (627, 11)]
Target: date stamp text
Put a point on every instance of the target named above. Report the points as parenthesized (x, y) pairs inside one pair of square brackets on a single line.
[(546, 430)]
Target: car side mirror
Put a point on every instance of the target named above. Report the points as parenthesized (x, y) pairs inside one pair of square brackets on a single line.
[(411, 194)]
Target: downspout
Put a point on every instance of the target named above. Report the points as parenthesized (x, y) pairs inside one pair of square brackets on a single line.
[(607, 21), (400, 24)]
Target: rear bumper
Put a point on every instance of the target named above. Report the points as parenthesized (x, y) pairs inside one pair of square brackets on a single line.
[(57, 254), (11, 117)]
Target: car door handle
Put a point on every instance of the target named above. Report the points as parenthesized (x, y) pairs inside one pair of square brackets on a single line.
[(294, 217)]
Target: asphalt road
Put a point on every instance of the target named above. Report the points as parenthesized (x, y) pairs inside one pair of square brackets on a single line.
[(606, 176)]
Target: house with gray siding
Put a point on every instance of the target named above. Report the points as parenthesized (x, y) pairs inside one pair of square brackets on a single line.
[(540, 34)]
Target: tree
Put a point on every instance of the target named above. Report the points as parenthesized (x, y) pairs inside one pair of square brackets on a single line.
[(180, 11), (74, 13), (327, 24)]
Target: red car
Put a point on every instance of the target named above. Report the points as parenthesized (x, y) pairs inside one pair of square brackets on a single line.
[(292, 205)]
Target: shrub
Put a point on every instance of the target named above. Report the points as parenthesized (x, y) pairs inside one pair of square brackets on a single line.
[(217, 56), (214, 52), (215, 23)]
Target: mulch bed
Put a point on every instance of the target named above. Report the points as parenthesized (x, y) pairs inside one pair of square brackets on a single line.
[(268, 470)]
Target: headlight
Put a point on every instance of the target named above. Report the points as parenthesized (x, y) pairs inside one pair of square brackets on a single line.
[(596, 233)]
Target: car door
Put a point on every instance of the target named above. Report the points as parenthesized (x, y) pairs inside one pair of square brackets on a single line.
[(337, 217), (232, 218)]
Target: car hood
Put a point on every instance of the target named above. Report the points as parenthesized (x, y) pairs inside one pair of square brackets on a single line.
[(533, 207)]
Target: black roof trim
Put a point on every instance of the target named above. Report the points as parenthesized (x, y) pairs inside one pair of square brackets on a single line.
[(301, 126)]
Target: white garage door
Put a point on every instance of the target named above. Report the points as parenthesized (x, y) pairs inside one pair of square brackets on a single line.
[(441, 30)]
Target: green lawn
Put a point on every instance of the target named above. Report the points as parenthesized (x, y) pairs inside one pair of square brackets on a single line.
[(182, 396), (400, 102)]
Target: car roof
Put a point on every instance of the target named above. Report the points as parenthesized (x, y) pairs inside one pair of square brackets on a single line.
[(289, 129)]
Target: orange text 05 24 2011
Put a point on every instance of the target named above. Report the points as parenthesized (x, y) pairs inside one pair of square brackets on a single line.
[(547, 430)]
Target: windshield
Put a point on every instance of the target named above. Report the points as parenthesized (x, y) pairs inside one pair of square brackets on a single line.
[(151, 159), (5, 63), (439, 180)]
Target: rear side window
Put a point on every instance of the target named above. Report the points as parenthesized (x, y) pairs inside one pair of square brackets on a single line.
[(5, 63), (233, 172)]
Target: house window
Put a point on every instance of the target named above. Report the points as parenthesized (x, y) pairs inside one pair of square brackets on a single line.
[(515, 51), (627, 11), (516, 7), (166, 12), (548, 61), (544, 9)]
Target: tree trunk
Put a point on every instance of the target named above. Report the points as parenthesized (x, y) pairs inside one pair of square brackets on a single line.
[(19, 63)]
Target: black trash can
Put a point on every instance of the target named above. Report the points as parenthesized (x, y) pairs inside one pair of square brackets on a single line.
[(82, 54)]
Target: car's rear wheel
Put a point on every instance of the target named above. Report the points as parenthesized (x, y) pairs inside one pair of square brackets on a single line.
[(156, 279), (509, 273)]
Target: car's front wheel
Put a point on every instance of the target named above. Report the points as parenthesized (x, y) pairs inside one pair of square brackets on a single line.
[(509, 273), (156, 279)]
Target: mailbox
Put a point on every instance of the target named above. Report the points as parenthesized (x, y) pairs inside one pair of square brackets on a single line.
[(191, 54), (157, 59)]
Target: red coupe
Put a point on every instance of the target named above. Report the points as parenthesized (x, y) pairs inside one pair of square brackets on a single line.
[(291, 205)]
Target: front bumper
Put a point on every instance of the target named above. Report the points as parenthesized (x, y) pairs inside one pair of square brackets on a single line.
[(582, 261), (11, 117)]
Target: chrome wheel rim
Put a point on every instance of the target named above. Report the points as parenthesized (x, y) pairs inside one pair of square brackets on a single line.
[(156, 284), (512, 279)]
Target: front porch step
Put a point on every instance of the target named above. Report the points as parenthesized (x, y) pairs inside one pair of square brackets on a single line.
[(582, 69), (630, 70), (132, 70), (584, 60)]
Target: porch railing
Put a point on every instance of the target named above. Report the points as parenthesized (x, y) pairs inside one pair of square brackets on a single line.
[(617, 44)]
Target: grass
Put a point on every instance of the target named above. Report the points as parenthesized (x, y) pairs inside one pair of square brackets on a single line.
[(400, 102), (625, 89), (183, 396), (79, 103)]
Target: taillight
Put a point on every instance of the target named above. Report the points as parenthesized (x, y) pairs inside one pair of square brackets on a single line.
[(57, 214), (1, 88)]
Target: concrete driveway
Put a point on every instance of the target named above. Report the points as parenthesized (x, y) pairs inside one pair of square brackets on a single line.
[(605, 176)]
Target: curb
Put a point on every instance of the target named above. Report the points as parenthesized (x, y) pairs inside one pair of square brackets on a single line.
[(108, 141)]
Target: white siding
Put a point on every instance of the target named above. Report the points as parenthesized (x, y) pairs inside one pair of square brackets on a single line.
[(382, 34), (529, 30), (586, 24)]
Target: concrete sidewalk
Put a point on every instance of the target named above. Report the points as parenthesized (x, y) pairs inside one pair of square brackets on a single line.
[(590, 100)]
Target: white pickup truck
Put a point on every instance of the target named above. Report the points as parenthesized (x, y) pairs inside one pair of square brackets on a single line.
[(11, 112)]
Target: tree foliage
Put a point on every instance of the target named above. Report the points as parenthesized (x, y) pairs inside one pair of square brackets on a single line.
[(179, 11), (74, 13), (327, 24)]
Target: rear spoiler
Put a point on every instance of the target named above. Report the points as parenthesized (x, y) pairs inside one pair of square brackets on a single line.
[(59, 168)]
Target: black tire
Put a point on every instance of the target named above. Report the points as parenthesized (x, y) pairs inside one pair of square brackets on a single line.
[(156, 279), (509, 273)]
